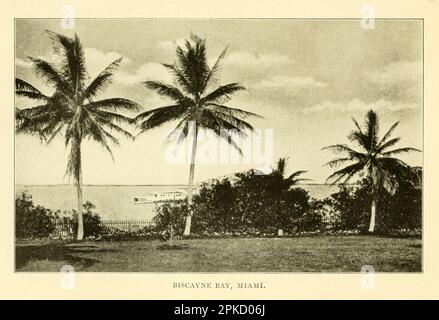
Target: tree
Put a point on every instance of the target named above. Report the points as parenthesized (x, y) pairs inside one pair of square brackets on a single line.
[(195, 105), (375, 160), (280, 186), (72, 110), (269, 200)]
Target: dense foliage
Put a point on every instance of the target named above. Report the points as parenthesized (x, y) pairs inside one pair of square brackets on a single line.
[(32, 222), (37, 222), (258, 205)]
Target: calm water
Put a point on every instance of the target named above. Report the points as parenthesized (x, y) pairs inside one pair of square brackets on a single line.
[(116, 202)]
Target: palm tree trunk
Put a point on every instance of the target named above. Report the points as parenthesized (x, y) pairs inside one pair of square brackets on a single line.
[(80, 233), (187, 229), (372, 216)]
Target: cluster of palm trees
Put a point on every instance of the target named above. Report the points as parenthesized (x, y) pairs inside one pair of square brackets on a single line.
[(74, 112)]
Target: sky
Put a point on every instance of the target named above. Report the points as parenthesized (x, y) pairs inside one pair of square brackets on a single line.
[(307, 78)]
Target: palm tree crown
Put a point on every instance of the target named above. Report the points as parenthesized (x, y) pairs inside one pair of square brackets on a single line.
[(374, 157), (72, 108), (191, 99)]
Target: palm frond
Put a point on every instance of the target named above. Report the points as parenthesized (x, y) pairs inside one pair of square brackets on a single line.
[(372, 127), (235, 121), (113, 117), (336, 162), (25, 89), (232, 111), (102, 81), (215, 68), (388, 134), (222, 93), (104, 120), (50, 74), (281, 166), (157, 117), (116, 104), (388, 144), (192, 64), (166, 90), (339, 148), (212, 121), (346, 173), (73, 64), (398, 151), (360, 138)]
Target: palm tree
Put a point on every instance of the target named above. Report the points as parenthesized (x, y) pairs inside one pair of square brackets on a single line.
[(292, 179), (375, 160), (194, 104), (280, 184), (72, 109)]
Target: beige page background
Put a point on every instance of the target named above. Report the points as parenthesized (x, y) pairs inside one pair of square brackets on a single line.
[(278, 286)]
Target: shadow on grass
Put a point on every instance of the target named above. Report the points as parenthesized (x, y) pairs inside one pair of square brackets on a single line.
[(173, 247), (56, 252)]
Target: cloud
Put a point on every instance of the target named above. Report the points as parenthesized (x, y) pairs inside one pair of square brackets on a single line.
[(148, 71), (356, 105), (97, 60), (396, 72), (400, 80), (170, 45), (289, 83), (247, 59), (22, 63)]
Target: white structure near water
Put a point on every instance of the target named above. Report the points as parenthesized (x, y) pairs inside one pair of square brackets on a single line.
[(158, 197)]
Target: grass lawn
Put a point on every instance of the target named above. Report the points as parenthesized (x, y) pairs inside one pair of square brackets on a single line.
[(307, 254)]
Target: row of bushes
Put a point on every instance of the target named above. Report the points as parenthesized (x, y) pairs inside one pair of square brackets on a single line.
[(37, 222), (255, 206)]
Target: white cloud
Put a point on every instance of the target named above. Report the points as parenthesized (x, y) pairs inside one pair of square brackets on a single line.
[(396, 72), (247, 59), (97, 60), (399, 79), (148, 71), (289, 83), (356, 105), (23, 63), (170, 45)]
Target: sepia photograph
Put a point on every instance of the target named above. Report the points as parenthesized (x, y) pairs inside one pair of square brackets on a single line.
[(219, 145)]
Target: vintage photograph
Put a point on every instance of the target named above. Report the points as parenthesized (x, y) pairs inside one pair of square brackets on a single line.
[(219, 145)]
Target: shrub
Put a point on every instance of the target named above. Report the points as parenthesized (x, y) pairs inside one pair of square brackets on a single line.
[(146, 233), (92, 221), (170, 214), (32, 222), (402, 210), (214, 208)]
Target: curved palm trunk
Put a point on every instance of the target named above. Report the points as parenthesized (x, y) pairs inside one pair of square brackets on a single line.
[(187, 228), (372, 215)]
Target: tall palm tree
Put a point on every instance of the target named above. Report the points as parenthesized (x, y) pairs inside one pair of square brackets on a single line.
[(194, 104), (375, 160), (72, 109)]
